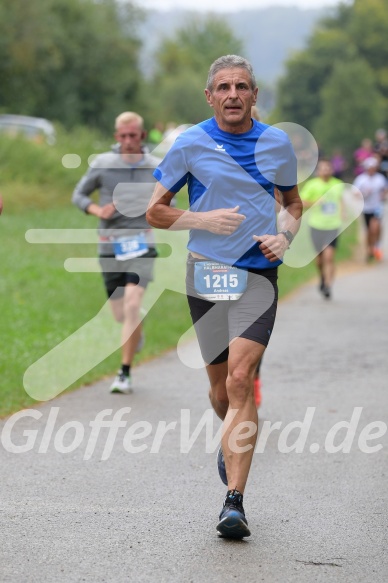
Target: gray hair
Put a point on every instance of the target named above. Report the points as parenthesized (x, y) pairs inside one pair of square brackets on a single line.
[(229, 62)]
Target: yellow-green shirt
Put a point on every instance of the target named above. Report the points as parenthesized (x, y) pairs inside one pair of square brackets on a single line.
[(327, 215)]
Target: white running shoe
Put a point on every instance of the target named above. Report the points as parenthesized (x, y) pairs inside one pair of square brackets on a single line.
[(121, 384)]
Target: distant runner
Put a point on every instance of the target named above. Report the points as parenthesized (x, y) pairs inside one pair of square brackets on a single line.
[(126, 247), (325, 194)]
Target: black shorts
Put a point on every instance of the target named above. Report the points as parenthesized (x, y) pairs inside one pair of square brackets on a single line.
[(322, 239), (138, 271), (252, 316), (369, 216)]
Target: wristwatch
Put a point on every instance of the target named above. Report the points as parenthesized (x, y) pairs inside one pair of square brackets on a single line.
[(288, 235)]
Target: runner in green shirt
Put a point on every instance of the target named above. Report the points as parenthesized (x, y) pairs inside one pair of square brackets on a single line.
[(323, 196)]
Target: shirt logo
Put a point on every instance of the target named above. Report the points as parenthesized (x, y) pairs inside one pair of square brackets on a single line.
[(220, 148)]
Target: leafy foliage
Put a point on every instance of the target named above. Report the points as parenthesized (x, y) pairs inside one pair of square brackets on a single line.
[(182, 66), (69, 60), (339, 122), (341, 77)]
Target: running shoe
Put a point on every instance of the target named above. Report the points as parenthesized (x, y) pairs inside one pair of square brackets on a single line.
[(221, 466), (121, 384), (233, 523), (326, 292), (257, 391)]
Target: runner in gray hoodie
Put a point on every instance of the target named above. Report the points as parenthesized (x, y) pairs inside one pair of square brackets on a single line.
[(124, 179)]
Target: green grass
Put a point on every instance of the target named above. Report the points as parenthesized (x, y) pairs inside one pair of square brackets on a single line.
[(33, 176), (43, 305)]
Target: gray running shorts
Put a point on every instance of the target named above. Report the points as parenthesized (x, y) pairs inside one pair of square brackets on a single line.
[(324, 238), (117, 274)]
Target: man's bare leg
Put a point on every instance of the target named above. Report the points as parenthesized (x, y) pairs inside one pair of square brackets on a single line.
[(127, 311), (242, 362), (131, 329), (328, 267), (218, 395), (231, 388), (117, 306)]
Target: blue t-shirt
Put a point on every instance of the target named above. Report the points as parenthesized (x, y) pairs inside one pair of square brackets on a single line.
[(224, 170)]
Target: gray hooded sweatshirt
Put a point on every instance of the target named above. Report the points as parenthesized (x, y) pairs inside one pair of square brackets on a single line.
[(129, 186)]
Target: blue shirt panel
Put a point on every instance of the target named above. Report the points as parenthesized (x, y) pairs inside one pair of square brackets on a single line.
[(224, 170)]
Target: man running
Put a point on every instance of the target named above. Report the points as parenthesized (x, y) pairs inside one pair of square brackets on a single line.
[(373, 187), (124, 178), (324, 193), (231, 164)]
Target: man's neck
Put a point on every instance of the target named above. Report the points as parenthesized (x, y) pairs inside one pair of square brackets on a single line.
[(240, 128), (132, 158)]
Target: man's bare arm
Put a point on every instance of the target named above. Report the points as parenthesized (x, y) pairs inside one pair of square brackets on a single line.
[(290, 214), (162, 216), (274, 246)]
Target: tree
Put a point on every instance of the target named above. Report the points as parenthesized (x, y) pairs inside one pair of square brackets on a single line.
[(197, 45), (341, 77), (175, 93), (299, 90), (351, 106), (75, 61), (369, 28)]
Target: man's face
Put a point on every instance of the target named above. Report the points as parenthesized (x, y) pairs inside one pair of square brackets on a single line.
[(371, 170), (325, 170), (130, 136), (232, 98)]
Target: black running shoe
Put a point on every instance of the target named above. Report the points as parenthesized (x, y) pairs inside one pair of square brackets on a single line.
[(221, 466), (233, 523)]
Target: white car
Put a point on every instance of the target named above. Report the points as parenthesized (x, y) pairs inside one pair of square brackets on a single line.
[(36, 129)]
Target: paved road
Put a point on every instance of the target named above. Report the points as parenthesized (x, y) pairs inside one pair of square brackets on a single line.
[(150, 517)]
